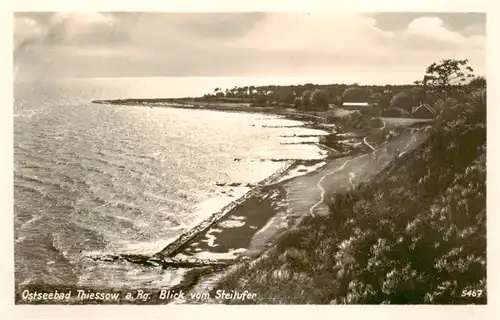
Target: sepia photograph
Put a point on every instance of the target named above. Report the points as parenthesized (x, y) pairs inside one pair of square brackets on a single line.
[(249, 158)]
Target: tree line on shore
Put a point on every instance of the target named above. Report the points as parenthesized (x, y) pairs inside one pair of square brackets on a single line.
[(444, 80)]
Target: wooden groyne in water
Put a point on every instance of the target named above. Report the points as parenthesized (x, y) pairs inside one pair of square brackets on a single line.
[(164, 262), (165, 258)]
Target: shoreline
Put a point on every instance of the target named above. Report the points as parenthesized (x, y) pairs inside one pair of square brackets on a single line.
[(307, 120), (166, 256), (198, 267), (210, 106)]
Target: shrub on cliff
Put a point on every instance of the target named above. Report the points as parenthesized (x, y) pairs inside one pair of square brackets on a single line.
[(418, 235)]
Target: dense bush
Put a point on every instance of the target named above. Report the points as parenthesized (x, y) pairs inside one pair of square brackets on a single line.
[(319, 99), (403, 100), (356, 94), (260, 101)]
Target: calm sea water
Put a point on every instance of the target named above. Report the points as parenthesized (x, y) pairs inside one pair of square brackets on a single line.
[(96, 178)]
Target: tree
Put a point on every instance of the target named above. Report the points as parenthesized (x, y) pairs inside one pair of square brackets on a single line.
[(306, 99), (252, 91), (355, 94), (309, 86), (418, 94), (297, 102), (284, 95), (337, 101), (447, 74), (403, 100), (319, 99), (218, 92)]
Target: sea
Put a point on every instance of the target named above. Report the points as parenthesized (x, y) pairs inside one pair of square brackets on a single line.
[(94, 179)]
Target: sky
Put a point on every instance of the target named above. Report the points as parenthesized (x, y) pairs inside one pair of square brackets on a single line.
[(367, 48)]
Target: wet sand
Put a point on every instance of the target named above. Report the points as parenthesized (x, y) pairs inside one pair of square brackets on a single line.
[(235, 231)]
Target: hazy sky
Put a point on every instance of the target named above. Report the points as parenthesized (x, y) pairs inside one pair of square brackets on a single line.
[(368, 48)]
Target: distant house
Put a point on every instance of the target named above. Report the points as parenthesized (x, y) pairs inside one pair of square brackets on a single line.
[(355, 105), (395, 113), (423, 111)]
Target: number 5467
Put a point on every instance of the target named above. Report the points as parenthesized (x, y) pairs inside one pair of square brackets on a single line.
[(472, 293)]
